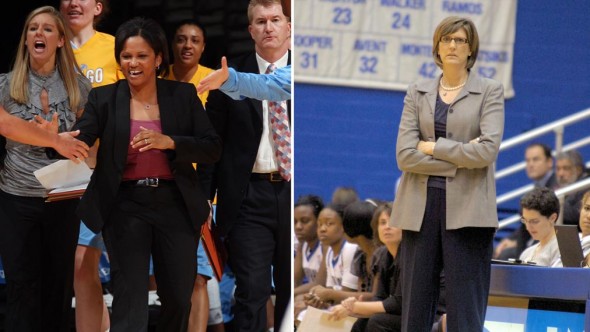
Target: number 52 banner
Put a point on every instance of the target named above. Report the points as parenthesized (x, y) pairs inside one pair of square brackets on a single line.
[(387, 44)]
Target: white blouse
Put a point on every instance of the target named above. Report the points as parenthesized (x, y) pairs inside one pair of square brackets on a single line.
[(547, 255)]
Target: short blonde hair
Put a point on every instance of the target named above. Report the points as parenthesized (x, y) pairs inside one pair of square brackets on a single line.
[(451, 25)]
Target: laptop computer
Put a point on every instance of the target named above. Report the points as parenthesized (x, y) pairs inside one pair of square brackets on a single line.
[(569, 245)]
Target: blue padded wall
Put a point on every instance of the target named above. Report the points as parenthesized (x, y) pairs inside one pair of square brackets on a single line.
[(346, 136)]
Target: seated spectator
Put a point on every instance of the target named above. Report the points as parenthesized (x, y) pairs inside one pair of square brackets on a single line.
[(309, 266), (569, 168), (539, 211), (539, 168), (339, 257), (308, 255), (383, 311), (357, 226)]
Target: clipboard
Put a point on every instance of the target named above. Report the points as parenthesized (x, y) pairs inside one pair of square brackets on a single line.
[(214, 248)]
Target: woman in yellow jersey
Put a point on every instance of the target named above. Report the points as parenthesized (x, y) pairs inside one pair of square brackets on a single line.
[(188, 44), (94, 50), (95, 54)]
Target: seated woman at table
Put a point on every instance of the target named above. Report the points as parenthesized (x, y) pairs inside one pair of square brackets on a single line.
[(539, 212)]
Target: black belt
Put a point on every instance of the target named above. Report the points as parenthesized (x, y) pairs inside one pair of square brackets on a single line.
[(272, 177), (147, 182)]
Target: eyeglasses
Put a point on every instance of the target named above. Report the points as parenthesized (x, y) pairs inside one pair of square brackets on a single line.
[(532, 222), (458, 41)]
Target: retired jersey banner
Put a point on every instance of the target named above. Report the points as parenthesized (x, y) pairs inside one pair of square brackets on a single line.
[(387, 44)]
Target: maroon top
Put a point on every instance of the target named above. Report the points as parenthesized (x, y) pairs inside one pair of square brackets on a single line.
[(147, 164)]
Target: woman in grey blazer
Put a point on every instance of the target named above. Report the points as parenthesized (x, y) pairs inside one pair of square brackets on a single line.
[(448, 140)]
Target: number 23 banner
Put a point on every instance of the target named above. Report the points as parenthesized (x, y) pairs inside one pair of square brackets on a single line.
[(387, 44)]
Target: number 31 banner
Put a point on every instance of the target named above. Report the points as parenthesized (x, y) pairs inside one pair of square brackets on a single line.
[(387, 44)]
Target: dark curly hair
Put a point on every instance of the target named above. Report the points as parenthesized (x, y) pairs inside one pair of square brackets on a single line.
[(542, 200), (316, 203)]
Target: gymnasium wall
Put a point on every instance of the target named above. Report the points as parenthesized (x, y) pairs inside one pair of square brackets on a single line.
[(346, 136)]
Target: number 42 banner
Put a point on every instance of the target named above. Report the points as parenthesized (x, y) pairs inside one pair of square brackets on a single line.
[(387, 44)]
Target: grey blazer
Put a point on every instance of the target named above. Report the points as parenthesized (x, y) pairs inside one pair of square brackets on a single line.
[(478, 111)]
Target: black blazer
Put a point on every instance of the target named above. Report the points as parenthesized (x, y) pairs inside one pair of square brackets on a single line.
[(107, 117), (239, 123)]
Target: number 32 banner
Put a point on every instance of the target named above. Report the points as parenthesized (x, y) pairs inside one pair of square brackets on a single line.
[(387, 44)]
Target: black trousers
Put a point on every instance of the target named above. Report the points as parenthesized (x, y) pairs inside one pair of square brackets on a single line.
[(260, 238), (154, 221), (465, 254), (37, 245), (382, 322)]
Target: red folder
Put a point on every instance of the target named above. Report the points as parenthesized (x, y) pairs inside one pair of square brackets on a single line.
[(214, 248), (54, 197)]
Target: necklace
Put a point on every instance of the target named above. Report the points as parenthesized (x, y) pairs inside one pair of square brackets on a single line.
[(146, 106), (450, 88)]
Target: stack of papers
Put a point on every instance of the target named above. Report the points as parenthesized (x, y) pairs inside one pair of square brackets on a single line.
[(64, 179), (317, 320)]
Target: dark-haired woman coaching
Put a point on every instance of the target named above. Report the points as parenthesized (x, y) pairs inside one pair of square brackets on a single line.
[(145, 194)]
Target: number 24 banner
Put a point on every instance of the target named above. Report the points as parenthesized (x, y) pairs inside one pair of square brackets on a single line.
[(387, 44)]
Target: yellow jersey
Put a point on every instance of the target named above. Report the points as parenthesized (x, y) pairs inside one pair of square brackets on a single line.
[(201, 72), (97, 60)]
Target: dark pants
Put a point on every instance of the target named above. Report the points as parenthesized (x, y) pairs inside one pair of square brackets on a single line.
[(464, 254), (37, 244), (260, 238), (383, 322), (152, 221)]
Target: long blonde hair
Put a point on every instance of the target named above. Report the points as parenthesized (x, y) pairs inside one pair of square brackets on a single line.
[(65, 62)]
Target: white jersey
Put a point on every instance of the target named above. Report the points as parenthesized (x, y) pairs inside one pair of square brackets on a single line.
[(339, 267), (312, 260)]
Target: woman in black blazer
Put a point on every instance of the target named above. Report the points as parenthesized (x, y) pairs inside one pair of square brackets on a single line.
[(145, 194)]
